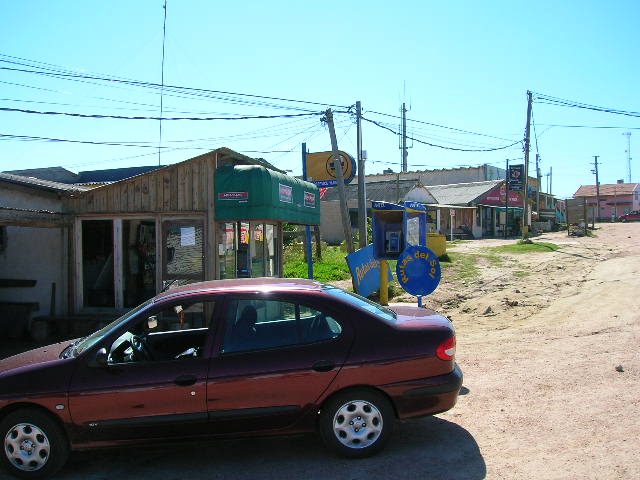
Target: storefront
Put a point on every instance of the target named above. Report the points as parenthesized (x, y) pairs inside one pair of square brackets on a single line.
[(215, 216), (492, 208), (252, 202)]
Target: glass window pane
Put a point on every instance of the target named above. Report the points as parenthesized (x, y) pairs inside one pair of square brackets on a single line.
[(264, 324), (184, 251), (227, 250), (97, 263), (139, 261), (257, 249), (271, 265)]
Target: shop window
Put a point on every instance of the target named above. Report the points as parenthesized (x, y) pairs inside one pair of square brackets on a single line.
[(227, 250), (184, 253), (139, 261), (97, 263)]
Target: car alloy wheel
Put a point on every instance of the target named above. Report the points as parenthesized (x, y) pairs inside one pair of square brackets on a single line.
[(356, 423), (27, 447), (34, 445)]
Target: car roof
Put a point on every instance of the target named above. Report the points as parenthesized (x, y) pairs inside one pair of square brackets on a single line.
[(242, 285)]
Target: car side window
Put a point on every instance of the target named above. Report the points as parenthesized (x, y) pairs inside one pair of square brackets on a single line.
[(264, 324), (177, 332)]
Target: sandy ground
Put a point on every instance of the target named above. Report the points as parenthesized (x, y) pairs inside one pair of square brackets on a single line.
[(551, 360), (551, 387)]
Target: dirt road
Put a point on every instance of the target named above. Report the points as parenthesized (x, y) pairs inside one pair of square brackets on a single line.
[(540, 352), (539, 340)]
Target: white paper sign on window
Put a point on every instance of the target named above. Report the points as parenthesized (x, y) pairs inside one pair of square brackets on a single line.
[(187, 236)]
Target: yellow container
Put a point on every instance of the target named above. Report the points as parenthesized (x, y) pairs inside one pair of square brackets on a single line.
[(437, 243)]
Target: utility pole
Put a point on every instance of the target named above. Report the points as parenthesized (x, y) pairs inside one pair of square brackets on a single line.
[(337, 163), (362, 188), (597, 211), (628, 152), (550, 180), (405, 153), (538, 178), (527, 141), (506, 200)]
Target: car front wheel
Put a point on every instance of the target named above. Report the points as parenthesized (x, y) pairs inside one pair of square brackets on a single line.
[(34, 445), (356, 423)]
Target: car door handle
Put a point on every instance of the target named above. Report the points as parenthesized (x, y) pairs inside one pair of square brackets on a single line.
[(185, 380), (323, 366)]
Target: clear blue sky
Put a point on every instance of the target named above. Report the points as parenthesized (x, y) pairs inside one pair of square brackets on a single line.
[(462, 65)]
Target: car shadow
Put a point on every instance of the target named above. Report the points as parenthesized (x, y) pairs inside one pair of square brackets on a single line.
[(429, 448)]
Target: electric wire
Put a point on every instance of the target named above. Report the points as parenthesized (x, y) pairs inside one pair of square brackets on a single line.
[(442, 146)]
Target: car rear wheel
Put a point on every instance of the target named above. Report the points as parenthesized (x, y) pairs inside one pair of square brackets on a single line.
[(34, 445), (356, 423)]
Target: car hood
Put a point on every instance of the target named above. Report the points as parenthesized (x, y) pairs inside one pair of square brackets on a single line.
[(414, 317), (33, 357)]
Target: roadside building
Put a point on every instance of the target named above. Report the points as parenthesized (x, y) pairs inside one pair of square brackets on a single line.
[(218, 215), (615, 199)]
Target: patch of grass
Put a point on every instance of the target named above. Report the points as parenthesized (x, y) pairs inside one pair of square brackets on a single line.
[(520, 273), (525, 248), (492, 257), (332, 267), (461, 265)]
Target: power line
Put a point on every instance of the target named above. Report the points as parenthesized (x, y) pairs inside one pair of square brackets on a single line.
[(174, 88), (442, 146), (123, 117), (467, 132), (560, 102)]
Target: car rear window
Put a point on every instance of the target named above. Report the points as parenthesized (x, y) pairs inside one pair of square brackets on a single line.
[(362, 302)]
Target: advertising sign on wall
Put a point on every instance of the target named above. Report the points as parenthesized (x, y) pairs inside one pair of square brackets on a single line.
[(286, 193), (309, 200), (516, 177)]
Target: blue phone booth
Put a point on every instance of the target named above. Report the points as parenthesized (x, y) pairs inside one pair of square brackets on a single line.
[(389, 239)]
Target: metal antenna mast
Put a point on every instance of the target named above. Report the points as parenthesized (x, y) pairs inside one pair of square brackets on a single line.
[(164, 34), (628, 152)]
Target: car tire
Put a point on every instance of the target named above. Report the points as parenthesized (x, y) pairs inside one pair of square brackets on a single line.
[(33, 444), (356, 423)]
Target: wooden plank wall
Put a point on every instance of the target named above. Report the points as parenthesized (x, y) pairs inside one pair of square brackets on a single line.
[(173, 189)]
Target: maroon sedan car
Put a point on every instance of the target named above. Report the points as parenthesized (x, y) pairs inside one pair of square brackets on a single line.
[(230, 357)]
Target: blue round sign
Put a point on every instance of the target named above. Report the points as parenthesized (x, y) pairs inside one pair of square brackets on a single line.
[(418, 270)]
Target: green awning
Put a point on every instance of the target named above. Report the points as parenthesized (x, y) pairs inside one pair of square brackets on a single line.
[(253, 192)]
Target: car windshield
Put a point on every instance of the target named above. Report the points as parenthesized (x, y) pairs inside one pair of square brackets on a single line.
[(362, 302), (95, 337)]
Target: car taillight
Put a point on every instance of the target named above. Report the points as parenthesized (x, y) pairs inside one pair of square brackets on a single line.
[(447, 349)]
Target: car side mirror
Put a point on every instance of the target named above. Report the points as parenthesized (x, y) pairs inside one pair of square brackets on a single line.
[(101, 359)]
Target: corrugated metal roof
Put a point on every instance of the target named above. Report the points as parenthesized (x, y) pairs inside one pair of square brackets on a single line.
[(41, 184), (607, 189), (388, 191), (461, 193)]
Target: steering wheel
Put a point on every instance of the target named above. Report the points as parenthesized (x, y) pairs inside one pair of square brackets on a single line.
[(140, 348)]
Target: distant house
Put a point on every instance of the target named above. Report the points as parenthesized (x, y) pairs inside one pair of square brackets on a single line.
[(615, 199)]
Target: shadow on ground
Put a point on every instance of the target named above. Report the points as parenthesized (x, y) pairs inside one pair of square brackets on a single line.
[(430, 448)]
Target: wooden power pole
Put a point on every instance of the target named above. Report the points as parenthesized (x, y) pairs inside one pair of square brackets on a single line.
[(337, 163)]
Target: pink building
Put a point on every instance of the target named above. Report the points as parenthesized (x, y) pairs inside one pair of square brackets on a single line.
[(615, 199)]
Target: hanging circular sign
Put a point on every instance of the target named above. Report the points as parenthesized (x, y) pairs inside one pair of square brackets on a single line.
[(418, 270)]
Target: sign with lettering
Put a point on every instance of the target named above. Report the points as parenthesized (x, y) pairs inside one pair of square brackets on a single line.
[(516, 177), (233, 196), (418, 270), (365, 271)]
